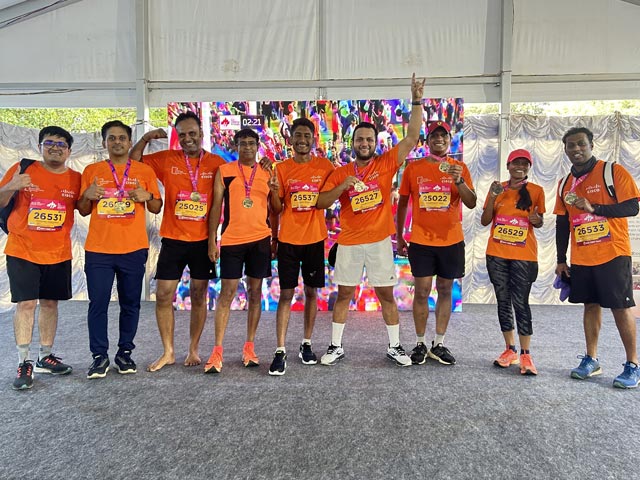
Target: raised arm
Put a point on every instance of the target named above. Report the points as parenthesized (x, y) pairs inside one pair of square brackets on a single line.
[(415, 122), (138, 148)]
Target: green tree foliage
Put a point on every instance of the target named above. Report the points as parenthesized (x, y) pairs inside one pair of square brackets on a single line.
[(594, 107)]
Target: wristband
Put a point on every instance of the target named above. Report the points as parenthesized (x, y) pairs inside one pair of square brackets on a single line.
[(416, 102)]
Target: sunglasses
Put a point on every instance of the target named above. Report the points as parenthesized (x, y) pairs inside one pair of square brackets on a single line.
[(51, 144)]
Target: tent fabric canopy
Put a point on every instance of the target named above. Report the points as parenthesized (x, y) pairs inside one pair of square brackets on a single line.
[(103, 52)]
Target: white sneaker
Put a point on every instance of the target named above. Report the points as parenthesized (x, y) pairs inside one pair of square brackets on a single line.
[(332, 356), (398, 355)]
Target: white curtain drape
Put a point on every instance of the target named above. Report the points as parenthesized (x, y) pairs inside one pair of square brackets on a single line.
[(616, 137)]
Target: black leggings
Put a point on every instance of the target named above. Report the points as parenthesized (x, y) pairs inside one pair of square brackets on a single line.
[(512, 281)]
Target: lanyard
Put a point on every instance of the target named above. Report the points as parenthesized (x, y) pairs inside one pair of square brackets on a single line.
[(194, 177), (247, 185), (120, 185)]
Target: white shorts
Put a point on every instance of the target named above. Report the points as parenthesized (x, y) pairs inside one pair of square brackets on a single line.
[(376, 258)]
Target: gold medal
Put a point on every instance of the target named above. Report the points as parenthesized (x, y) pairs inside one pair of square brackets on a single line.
[(497, 188), (359, 186), (120, 206), (443, 167), (247, 203), (570, 198), (195, 196)]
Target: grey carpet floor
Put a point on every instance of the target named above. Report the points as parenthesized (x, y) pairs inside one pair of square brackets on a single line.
[(364, 418)]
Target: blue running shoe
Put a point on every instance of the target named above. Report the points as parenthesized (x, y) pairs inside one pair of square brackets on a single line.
[(629, 378), (589, 367)]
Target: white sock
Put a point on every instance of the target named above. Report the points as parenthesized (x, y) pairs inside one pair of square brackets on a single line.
[(281, 349), (336, 333), (23, 352), (306, 340), (439, 339), (420, 339), (394, 335)]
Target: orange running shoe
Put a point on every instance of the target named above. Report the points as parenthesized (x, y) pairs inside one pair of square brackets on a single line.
[(506, 358), (249, 357), (214, 364), (526, 365)]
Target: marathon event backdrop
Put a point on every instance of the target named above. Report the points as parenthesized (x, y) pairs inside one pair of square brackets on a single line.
[(334, 124), (616, 137)]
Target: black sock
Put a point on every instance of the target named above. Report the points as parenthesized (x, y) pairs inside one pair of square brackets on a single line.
[(513, 347), (523, 351)]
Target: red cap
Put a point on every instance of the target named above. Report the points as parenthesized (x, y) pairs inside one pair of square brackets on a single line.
[(438, 124), (519, 153)]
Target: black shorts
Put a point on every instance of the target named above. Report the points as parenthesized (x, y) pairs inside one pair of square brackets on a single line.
[(446, 262), (32, 281), (254, 256), (291, 258), (610, 285), (176, 254)]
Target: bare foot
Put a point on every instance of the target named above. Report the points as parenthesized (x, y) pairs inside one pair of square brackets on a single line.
[(192, 360), (165, 359)]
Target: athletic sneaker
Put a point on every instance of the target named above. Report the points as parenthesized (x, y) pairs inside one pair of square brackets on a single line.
[(125, 363), (398, 355), (334, 353), (589, 367), (24, 378), (99, 367), (52, 364), (629, 378), (441, 354), (419, 354), (279, 364), (306, 354), (507, 358), (249, 357), (526, 365), (214, 364)]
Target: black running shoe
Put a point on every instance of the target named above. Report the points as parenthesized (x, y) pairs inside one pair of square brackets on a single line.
[(419, 354), (52, 364), (125, 363), (24, 379), (99, 367), (279, 364), (306, 354), (441, 354)]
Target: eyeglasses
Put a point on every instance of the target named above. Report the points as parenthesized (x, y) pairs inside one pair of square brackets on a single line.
[(51, 144)]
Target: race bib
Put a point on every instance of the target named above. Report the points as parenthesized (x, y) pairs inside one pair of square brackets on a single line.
[(511, 230), (188, 209), (434, 196), (46, 215), (110, 207), (369, 199), (303, 196), (589, 228)]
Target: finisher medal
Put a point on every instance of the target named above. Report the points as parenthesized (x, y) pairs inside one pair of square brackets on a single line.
[(195, 196), (570, 198), (497, 188), (247, 203), (359, 186), (443, 167), (119, 207)]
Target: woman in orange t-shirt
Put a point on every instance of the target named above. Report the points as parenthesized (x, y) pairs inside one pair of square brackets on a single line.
[(514, 208)]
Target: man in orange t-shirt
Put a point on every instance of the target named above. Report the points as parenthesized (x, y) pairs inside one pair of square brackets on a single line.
[(187, 177), (436, 185), (600, 270), (366, 220), (246, 190), (300, 240), (115, 193), (38, 248)]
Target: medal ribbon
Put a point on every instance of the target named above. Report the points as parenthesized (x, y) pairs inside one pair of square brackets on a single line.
[(524, 181), (360, 175), (192, 176), (247, 185), (120, 185), (577, 181)]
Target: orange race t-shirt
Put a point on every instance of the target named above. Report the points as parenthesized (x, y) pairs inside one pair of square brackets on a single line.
[(114, 232), (435, 202), (42, 217), (244, 225), (185, 215), (301, 223), (594, 239), (366, 217), (512, 235)]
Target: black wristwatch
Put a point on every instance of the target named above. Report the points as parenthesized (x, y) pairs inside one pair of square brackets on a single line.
[(151, 197), (460, 182)]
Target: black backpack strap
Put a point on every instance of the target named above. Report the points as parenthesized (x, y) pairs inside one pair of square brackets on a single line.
[(25, 163), (561, 186)]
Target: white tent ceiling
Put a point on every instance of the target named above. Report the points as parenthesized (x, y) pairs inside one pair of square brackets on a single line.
[(148, 52)]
